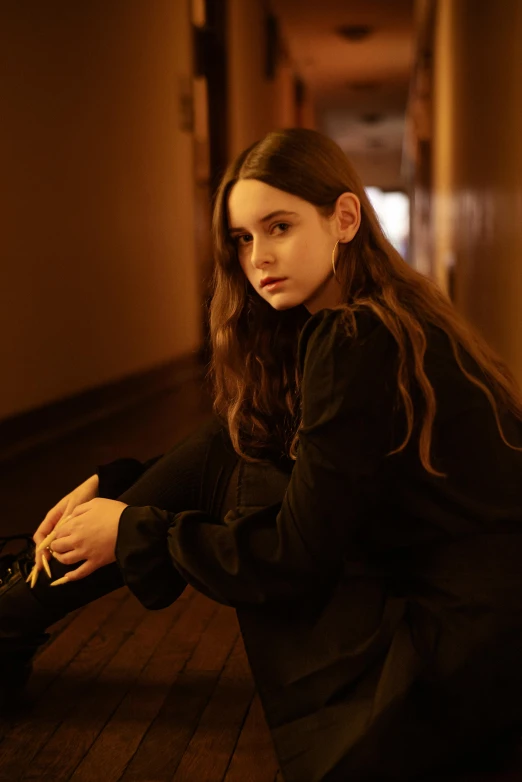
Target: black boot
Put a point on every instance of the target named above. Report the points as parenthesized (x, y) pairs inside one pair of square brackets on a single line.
[(22, 621), (25, 613)]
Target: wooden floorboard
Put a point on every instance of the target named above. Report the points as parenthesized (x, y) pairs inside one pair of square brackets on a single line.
[(170, 733), (73, 739), (63, 700), (209, 751), (119, 692), (254, 742), (123, 734)]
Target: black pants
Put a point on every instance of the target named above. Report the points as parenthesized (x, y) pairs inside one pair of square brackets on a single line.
[(201, 472)]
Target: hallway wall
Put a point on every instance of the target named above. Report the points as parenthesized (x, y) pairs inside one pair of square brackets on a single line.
[(99, 279), (256, 103), (250, 93), (478, 165)]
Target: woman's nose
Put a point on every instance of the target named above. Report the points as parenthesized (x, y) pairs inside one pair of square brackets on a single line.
[(260, 252)]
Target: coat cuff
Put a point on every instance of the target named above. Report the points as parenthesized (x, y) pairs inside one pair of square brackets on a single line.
[(142, 556)]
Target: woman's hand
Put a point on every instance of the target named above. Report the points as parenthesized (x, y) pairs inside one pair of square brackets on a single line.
[(89, 533), (86, 491)]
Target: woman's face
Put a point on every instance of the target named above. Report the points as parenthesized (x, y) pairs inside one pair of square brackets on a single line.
[(281, 235)]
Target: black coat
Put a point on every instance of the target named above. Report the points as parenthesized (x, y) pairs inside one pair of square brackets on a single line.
[(381, 606)]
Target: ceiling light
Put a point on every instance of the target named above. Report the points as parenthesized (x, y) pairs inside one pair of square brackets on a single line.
[(355, 32), (363, 86), (372, 118)]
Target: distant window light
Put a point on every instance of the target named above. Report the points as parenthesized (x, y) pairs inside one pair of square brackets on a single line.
[(393, 211)]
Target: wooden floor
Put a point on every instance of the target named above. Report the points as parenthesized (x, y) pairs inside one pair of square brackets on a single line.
[(119, 692)]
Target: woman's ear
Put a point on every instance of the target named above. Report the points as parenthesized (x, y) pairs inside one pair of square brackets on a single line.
[(347, 216)]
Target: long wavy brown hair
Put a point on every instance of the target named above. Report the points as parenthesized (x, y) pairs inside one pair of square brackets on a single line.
[(253, 367)]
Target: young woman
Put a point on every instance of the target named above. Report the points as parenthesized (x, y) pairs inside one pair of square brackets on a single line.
[(357, 497)]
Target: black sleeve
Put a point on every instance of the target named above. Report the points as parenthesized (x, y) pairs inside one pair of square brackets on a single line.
[(287, 550), (118, 476)]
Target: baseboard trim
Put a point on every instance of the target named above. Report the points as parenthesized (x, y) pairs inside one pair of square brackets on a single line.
[(38, 427)]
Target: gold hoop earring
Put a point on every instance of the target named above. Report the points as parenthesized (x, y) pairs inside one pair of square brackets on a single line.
[(333, 259)]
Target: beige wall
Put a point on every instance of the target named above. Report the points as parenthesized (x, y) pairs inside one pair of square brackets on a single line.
[(250, 94), (284, 104), (308, 115), (256, 104), (98, 263), (478, 164), (444, 138)]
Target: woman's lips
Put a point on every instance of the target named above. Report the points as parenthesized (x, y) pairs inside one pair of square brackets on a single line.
[(272, 286)]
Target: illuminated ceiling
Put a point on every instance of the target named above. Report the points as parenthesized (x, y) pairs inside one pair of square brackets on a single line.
[(359, 79)]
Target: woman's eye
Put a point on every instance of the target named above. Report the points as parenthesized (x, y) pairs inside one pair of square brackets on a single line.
[(245, 237)]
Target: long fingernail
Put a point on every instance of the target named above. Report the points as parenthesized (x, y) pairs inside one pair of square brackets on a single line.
[(45, 563), (62, 580), (45, 542), (35, 577), (29, 577)]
